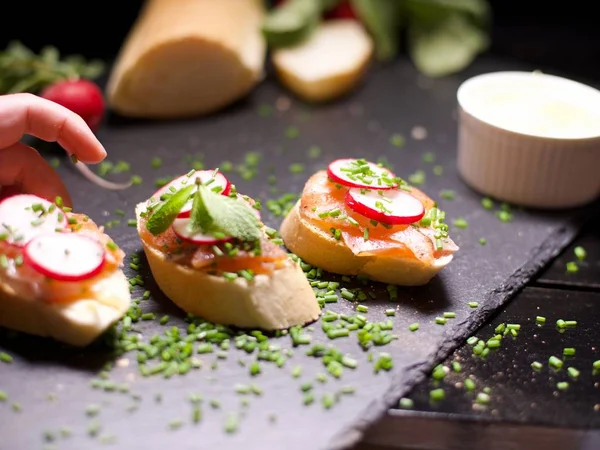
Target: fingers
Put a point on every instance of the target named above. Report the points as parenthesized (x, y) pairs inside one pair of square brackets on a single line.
[(24, 170), (29, 114)]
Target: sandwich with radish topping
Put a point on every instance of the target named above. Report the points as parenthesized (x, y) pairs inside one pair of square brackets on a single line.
[(60, 274), (357, 218), (212, 256)]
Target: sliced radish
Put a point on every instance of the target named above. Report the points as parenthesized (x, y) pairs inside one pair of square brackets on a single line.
[(25, 216), (214, 180), (65, 256), (393, 207), (358, 173), (182, 230)]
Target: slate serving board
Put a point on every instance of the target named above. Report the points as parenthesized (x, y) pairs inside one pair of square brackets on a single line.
[(394, 100)]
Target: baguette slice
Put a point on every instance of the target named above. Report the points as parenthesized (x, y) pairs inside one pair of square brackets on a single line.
[(50, 284), (409, 253), (271, 302), (77, 323), (329, 64), (188, 57)]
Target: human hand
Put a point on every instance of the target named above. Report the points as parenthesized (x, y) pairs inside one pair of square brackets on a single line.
[(22, 168)]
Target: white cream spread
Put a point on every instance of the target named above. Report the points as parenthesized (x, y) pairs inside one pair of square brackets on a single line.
[(534, 104)]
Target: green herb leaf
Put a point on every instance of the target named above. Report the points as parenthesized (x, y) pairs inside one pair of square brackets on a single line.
[(199, 216), (166, 213), (383, 19), (445, 46), (292, 22), (21, 70), (231, 216)]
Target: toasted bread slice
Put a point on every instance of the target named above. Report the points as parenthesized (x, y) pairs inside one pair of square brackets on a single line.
[(271, 302), (321, 249), (78, 322)]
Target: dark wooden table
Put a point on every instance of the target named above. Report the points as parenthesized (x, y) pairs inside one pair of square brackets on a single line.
[(526, 409)]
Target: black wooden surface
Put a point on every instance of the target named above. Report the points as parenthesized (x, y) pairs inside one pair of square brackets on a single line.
[(394, 101), (526, 408)]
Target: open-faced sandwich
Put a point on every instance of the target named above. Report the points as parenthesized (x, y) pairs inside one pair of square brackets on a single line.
[(358, 218), (211, 255), (60, 275)]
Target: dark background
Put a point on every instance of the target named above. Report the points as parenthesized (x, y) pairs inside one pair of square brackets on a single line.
[(561, 35)]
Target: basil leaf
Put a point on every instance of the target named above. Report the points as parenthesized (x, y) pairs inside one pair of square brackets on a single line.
[(166, 213), (445, 46), (383, 19), (232, 216), (200, 219)]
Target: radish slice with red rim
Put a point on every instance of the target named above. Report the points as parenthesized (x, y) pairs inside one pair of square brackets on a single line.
[(359, 173), (25, 216), (211, 178), (65, 256), (392, 207), (182, 230)]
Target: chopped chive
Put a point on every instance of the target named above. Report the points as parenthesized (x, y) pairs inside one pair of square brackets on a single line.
[(447, 194), (487, 203), (456, 366), (390, 312), (437, 394), (540, 320), (561, 323), (406, 403), (580, 252), (562, 385), (572, 267), (472, 340), (469, 384), (449, 315), (596, 365), (536, 365), (573, 372), (6, 358), (362, 308), (555, 362), (569, 351), (3, 396), (460, 222), (297, 371), (482, 398), (473, 304), (413, 326), (482, 241), (570, 323), (441, 320)]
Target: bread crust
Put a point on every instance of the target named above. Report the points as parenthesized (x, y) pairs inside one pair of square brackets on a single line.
[(270, 302), (322, 250), (77, 323)]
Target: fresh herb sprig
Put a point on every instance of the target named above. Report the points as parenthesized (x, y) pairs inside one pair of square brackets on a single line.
[(443, 36), (22, 70)]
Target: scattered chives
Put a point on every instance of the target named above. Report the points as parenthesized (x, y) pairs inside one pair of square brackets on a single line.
[(449, 315), (540, 320), (437, 394), (536, 365), (562, 386), (469, 384), (569, 351), (406, 403), (572, 267), (482, 398), (6, 358), (555, 362), (413, 327), (473, 304), (441, 320), (580, 252), (573, 372)]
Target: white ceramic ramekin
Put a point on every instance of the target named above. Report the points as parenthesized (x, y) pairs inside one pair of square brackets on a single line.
[(530, 139)]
